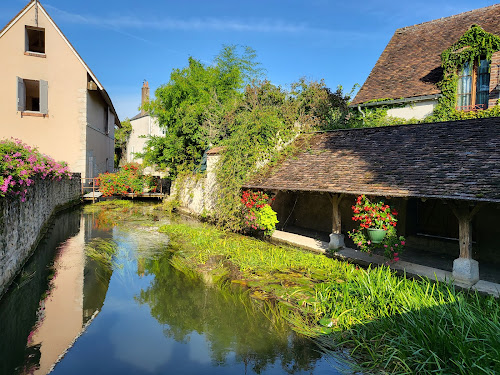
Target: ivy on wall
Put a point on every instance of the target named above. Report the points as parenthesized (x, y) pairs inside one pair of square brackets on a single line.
[(471, 46)]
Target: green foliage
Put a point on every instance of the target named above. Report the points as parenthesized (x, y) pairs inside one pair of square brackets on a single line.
[(127, 180), (20, 164), (386, 322), (471, 47), (192, 106), (257, 213), (122, 136)]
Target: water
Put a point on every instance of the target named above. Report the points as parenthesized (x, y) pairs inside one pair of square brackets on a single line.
[(74, 313)]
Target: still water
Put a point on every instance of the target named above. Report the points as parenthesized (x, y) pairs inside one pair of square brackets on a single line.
[(71, 312)]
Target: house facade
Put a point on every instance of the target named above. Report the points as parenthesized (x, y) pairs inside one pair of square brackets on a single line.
[(406, 77), (50, 98), (143, 126)]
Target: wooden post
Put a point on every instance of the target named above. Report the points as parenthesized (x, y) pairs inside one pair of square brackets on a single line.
[(336, 237), (464, 216), (336, 216)]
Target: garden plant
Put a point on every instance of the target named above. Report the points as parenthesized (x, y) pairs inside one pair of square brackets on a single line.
[(21, 165), (376, 215)]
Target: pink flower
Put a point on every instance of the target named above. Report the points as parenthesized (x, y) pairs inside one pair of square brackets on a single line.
[(403, 243), (396, 259)]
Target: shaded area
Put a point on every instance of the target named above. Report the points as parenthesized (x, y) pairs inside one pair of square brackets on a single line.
[(19, 308)]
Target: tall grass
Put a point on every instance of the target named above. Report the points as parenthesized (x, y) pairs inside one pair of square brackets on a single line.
[(387, 322)]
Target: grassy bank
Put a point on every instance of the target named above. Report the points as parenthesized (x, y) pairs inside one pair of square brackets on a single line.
[(385, 321)]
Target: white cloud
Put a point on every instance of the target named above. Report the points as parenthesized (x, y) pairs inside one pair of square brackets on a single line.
[(191, 24)]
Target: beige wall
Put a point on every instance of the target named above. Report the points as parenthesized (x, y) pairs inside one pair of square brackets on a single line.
[(418, 110), (143, 126), (63, 133), (100, 143)]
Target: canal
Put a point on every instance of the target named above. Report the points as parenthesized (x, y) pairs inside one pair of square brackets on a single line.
[(100, 296)]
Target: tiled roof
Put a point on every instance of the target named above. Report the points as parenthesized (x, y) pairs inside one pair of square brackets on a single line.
[(139, 115), (410, 64), (451, 160)]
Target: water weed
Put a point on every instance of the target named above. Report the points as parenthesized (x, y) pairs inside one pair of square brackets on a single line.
[(386, 322)]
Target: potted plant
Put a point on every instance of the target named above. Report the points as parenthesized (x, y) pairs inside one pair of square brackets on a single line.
[(377, 228)]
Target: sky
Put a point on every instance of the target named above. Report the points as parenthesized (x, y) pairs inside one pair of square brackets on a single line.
[(126, 42)]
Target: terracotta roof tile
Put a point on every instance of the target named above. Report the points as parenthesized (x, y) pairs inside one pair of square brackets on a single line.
[(410, 65), (452, 160)]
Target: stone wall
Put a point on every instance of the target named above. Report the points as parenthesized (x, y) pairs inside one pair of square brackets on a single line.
[(23, 223), (195, 192)]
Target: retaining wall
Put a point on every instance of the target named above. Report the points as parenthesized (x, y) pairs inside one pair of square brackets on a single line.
[(196, 193), (22, 223)]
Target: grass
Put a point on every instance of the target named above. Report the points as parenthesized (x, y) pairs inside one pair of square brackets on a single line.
[(386, 322)]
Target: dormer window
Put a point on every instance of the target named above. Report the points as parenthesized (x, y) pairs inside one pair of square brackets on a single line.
[(474, 86), (35, 40)]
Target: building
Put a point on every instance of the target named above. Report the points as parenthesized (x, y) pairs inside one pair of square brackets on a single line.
[(443, 179), (406, 76), (50, 98), (143, 126)]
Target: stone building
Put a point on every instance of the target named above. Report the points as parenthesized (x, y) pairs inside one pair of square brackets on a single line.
[(405, 77)]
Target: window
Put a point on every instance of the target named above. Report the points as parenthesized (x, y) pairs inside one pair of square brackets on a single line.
[(106, 120), (474, 86), (32, 96), (35, 40)]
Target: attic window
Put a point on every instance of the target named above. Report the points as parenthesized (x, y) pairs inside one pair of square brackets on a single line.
[(35, 40), (474, 86)]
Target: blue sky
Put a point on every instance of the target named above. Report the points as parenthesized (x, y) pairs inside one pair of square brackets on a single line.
[(127, 41)]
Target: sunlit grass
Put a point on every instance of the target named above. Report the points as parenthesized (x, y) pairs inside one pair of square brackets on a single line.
[(387, 322)]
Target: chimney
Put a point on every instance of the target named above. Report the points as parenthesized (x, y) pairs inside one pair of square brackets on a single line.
[(145, 96)]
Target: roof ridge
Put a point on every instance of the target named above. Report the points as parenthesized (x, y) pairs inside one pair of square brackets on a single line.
[(406, 28)]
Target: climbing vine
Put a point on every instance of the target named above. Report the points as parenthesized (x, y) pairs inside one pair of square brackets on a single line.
[(471, 46)]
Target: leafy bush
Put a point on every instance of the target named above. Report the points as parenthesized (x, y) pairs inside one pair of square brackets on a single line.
[(20, 164), (128, 179), (257, 213)]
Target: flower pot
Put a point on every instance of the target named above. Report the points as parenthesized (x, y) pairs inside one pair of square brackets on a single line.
[(376, 235)]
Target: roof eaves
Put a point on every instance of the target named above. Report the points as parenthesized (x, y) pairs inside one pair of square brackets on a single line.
[(16, 18), (413, 99)]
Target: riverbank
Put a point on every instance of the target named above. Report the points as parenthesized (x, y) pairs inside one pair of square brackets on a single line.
[(385, 321)]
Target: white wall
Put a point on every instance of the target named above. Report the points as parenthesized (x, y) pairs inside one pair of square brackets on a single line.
[(418, 110), (141, 128)]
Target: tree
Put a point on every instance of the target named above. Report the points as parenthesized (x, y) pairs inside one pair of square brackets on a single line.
[(192, 106)]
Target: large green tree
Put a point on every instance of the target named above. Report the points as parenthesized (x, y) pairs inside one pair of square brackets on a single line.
[(192, 106)]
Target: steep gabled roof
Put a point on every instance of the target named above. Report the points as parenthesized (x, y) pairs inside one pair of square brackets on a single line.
[(410, 65), (450, 160), (30, 5)]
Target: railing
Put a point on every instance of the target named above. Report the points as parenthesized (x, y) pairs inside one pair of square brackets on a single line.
[(89, 185), (468, 108)]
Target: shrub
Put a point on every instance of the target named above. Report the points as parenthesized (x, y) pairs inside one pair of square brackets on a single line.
[(128, 179), (20, 164), (257, 213)]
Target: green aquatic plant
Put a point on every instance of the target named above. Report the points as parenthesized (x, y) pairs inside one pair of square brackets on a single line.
[(385, 321)]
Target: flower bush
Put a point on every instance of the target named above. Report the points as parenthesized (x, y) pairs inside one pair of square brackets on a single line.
[(20, 164), (257, 213), (377, 216), (128, 179)]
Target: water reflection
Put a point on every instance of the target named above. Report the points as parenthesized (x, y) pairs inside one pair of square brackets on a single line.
[(136, 314), (222, 326)]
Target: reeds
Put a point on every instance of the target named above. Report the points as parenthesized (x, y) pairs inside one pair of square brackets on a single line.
[(387, 322)]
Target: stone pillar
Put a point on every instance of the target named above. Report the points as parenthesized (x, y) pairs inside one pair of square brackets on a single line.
[(336, 237), (465, 269)]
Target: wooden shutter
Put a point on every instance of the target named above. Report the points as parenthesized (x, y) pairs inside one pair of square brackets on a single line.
[(44, 98), (21, 94)]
